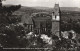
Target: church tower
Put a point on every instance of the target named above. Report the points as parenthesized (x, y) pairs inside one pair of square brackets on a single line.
[(56, 20)]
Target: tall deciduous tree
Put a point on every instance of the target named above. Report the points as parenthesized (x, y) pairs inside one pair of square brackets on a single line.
[(8, 34)]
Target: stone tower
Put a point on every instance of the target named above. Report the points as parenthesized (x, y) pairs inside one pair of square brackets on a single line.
[(56, 20)]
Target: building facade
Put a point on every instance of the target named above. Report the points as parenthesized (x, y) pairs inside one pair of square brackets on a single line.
[(44, 23)]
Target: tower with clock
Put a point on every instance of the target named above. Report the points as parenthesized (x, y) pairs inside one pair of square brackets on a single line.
[(56, 20)]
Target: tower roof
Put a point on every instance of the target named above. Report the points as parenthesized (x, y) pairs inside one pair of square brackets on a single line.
[(56, 5)]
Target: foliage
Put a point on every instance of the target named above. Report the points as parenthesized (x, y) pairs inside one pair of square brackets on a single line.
[(9, 33), (9, 10), (70, 25)]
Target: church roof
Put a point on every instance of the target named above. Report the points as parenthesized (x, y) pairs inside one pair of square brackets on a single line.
[(40, 14)]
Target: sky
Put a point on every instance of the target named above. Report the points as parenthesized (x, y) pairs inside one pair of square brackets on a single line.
[(44, 3)]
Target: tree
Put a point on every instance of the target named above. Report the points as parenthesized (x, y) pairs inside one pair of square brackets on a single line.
[(8, 32), (9, 10), (6, 13)]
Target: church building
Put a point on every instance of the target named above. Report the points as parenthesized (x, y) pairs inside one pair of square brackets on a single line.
[(44, 23)]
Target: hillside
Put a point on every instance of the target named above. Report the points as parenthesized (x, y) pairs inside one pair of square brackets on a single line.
[(38, 8), (30, 10), (70, 9), (61, 8), (66, 12)]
